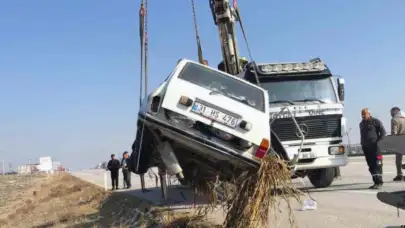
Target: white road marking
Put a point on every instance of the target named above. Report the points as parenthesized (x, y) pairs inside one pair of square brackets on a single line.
[(357, 163), (359, 192)]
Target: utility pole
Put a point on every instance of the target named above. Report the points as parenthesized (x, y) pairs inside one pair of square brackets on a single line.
[(2, 167), (348, 139)]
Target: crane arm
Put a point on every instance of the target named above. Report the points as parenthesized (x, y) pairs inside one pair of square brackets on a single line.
[(224, 19)]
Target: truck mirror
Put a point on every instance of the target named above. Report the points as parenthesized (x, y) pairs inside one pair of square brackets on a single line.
[(341, 89)]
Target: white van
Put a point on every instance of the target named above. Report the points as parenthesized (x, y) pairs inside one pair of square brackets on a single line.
[(202, 120)]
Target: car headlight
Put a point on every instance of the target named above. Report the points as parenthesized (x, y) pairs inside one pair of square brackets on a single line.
[(336, 150), (179, 119)]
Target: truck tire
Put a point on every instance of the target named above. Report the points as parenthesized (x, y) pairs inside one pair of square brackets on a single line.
[(321, 178)]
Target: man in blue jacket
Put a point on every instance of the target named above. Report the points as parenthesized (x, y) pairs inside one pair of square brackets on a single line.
[(372, 131)]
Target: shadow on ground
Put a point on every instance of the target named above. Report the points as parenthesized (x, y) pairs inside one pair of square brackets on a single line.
[(177, 196)]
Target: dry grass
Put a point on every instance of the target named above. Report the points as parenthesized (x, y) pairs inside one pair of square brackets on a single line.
[(62, 200), (187, 220), (12, 188), (256, 198), (249, 202)]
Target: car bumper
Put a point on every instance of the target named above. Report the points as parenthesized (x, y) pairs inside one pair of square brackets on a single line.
[(199, 144)]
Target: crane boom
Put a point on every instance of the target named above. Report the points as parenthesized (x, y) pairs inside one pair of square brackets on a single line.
[(224, 18)]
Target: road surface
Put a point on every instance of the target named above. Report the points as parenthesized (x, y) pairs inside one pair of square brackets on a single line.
[(347, 203)]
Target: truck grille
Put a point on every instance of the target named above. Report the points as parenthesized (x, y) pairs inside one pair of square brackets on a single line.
[(316, 127)]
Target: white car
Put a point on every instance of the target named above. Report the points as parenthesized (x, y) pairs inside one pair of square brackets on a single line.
[(200, 121)]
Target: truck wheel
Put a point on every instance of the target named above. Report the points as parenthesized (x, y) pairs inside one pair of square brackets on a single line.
[(321, 178)]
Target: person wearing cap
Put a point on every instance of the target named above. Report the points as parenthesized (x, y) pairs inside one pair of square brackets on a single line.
[(398, 128), (243, 62), (125, 170), (114, 166), (371, 131)]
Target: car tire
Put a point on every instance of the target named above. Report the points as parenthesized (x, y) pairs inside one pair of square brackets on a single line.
[(321, 178)]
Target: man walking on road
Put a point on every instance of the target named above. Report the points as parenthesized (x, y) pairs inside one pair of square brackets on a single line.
[(372, 131), (398, 128), (114, 167), (125, 169)]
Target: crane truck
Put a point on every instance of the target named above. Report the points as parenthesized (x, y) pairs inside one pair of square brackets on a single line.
[(298, 103), (306, 103)]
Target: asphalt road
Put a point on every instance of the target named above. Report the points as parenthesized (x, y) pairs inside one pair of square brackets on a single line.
[(347, 203)]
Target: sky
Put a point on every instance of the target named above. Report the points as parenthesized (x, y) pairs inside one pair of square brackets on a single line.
[(70, 69)]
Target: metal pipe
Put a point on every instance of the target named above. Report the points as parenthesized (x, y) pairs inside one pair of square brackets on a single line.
[(296, 157)]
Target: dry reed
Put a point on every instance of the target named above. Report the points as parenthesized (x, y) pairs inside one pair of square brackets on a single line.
[(248, 201)]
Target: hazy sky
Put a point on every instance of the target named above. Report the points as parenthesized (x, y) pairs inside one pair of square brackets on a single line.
[(69, 69)]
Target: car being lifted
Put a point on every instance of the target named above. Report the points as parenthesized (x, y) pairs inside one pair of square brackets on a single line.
[(202, 121)]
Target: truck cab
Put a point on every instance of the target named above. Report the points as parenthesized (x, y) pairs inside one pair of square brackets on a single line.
[(306, 115)]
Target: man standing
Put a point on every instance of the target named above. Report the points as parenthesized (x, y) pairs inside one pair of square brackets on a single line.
[(125, 169), (372, 131), (398, 128), (114, 167)]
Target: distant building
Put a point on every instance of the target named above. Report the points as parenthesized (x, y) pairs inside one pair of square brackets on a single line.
[(56, 166), (45, 165), (102, 165), (27, 169)]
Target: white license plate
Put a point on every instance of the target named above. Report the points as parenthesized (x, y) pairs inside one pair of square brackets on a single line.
[(307, 155), (215, 115)]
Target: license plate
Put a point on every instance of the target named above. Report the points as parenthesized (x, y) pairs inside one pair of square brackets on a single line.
[(215, 115), (307, 155)]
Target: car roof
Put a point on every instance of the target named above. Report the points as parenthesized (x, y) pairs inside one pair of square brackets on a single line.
[(237, 77)]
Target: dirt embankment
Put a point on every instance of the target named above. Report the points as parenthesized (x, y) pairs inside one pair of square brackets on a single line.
[(61, 200)]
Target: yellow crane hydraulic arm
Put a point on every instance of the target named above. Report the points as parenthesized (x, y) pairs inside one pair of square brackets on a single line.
[(224, 18)]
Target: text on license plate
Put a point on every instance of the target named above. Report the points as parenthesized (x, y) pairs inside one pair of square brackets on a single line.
[(214, 114), (306, 155)]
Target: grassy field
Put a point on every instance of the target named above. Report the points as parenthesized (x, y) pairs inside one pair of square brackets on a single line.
[(61, 200)]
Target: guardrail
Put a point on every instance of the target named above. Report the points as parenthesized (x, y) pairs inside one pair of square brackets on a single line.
[(355, 153)]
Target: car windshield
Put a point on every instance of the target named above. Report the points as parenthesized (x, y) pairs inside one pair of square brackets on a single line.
[(300, 89), (220, 83)]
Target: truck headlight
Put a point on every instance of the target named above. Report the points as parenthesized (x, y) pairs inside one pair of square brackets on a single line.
[(179, 119), (336, 150)]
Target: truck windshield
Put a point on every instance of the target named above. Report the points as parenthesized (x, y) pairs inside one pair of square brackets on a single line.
[(220, 83), (300, 89)]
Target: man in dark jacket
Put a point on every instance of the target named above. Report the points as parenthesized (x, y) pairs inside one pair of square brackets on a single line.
[(114, 167), (125, 169), (372, 131)]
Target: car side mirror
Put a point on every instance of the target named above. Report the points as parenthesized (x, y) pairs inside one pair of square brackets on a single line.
[(341, 88)]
